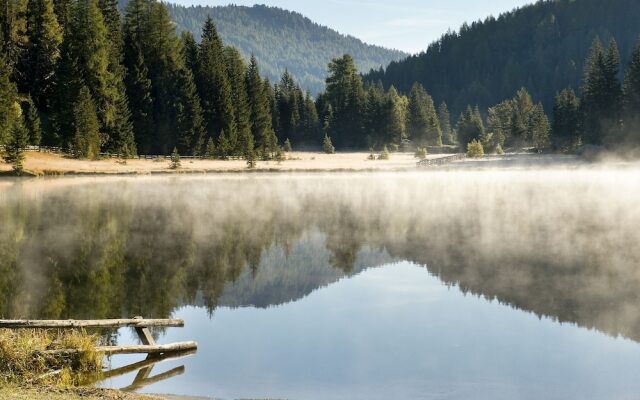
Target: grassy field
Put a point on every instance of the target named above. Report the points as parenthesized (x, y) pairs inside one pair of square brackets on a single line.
[(10, 392), (55, 164)]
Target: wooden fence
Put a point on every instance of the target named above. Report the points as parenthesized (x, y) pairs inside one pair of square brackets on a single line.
[(436, 162)]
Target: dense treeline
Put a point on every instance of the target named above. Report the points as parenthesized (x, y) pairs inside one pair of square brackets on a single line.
[(83, 77), (541, 47), (282, 39)]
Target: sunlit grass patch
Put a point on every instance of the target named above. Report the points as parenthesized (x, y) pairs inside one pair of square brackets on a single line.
[(26, 357)]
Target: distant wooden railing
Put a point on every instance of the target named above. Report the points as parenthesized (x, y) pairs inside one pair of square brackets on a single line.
[(434, 162), (60, 150)]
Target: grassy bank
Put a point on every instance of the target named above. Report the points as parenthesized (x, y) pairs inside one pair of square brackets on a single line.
[(28, 369), (56, 164)]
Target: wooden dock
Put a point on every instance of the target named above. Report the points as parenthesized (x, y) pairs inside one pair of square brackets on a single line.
[(141, 325)]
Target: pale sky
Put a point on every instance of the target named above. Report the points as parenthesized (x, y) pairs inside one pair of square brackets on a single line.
[(409, 25)]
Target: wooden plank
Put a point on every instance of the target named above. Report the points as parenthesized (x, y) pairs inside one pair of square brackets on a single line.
[(145, 363), (145, 336), (141, 383), (106, 323), (136, 349)]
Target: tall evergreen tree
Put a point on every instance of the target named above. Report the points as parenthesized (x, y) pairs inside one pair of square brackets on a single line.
[(566, 120), (601, 94), (538, 128), (260, 113), (42, 53), (86, 142), (345, 93), (444, 118), (423, 124), (236, 73), (632, 100), (16, 144), (214, 87), (470, 127), (12, 32), (8, 97)]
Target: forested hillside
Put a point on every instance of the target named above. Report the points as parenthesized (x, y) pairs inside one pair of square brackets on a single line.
[(282, 39), (542, 47)]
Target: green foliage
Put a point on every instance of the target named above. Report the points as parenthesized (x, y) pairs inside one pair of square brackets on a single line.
[(345, 94), (86, 140), (601, 94), (538, 128), (40, 59), (327, 145), (282, 39), (421, 153), (260, 110), (17, 143), (8, 97), (631, 101), (444, 118), (541, 46), (470, 126), (32, 122), (423, 124), (175, 159), (210, 152), (475, 149), (566, 120), (287, 146)]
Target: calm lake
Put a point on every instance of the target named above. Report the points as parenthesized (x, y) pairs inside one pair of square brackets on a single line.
[(506, 284)]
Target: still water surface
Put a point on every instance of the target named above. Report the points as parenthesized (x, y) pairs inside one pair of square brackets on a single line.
[(485, 285)]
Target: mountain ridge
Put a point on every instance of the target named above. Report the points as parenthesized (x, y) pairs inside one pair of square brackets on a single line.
[(282, 40)]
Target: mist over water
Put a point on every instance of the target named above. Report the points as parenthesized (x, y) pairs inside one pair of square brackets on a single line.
[(233, 251)]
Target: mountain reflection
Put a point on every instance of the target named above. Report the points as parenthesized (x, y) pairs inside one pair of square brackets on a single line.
[(558, 244)]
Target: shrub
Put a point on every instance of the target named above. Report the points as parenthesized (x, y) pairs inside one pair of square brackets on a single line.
[(421, 153), (175, 159), (475, 149), (287, 146)]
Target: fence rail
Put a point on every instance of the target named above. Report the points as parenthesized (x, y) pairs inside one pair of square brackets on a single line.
[(436, 162)]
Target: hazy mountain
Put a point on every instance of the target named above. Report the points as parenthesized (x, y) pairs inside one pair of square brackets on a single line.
[(282, 39), (542, 47)]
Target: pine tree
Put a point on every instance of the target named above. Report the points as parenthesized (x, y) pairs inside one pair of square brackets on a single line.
[(32, 122), (12, 33), (18, 142), (566, 120), (42, 52), (190, 52), (601, 94), (444, 118), (213, 85), (423, 124), (470, 127), (632, 100), (236, 73), (8, 97), (260, 112), (224, 147), (86, 142), (210, 152), (396, 116), (345, 93), (175, 159), (538, 128)]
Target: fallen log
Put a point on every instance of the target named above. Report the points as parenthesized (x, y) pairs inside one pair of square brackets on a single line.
[(140, 349), (106, 323)]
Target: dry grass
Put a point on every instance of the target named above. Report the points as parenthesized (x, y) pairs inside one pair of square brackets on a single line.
[(54, 164), (10, 392), (23, 359)]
